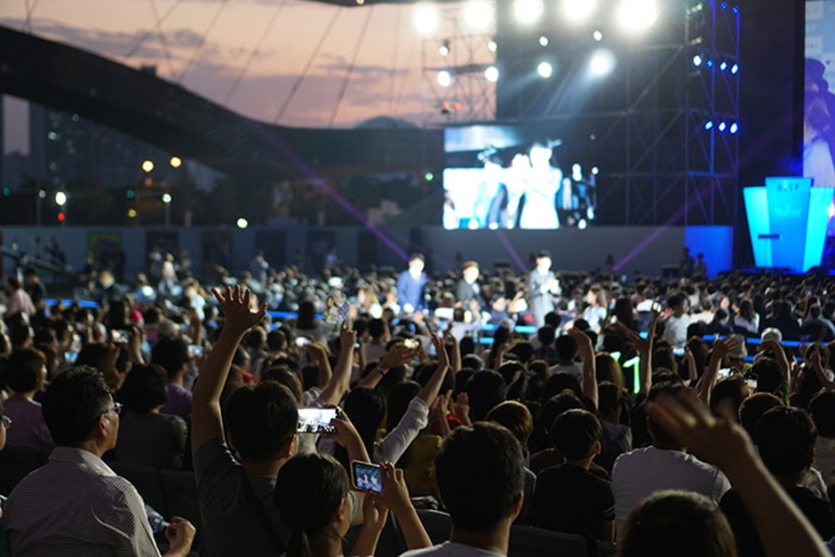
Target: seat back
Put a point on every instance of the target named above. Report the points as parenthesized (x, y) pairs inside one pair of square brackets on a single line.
[(530, 541), (15, 464), (437, 524)]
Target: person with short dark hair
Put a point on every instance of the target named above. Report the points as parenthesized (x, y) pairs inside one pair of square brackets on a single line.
[(752, 409), (664, 465), (567, 349), (25, 374), (485, 389), (172, 354), (481, 481), (785, 439), (148, 436), (75, 504), (236, 498), (411, 284), (568, 497)]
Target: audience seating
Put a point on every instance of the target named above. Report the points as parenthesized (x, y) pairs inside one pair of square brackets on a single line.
[(15, 464)]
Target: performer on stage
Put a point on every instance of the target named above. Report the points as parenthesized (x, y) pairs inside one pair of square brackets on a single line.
[(543, 286), (410, 285), (468, 292)]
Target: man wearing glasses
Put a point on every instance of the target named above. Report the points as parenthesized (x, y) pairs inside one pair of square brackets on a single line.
[(75, 504)]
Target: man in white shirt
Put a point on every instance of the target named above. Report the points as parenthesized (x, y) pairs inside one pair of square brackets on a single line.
[(75, 504), (675, 327), (664, 465), (481, 478)]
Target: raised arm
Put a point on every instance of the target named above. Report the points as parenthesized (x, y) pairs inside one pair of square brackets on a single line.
[(783, 529), (429, 392), (397, 356), (318, 354), (779, 355), (395, 497), (643, 346), (455, 362), (341, 379), (586, 351), (206, 420), (720, 349), (815, 364)]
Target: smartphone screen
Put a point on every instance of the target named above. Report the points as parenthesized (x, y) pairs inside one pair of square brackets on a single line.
[(302, 342), (195, 350), (316, 420), (678, 351), (69, 357), (366, 476), (119, 336)]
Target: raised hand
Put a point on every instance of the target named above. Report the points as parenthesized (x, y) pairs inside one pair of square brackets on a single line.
[(347, 336), (440, 349), (397, 356), (235, 305), (718, 440), (395, 494)]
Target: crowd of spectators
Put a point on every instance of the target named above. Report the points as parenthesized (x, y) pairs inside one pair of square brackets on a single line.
[(684, 416)]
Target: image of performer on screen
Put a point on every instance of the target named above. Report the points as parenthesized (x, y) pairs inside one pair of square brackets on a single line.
[(542, 182)]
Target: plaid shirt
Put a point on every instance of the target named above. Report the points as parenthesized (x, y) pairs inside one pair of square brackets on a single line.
[(77, 505)]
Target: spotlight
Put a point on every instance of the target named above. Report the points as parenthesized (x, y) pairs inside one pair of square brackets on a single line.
[(697, 60), (602, 63), (578, 11), (528, 12), (242, 223), (491, 74), (636, 16), (444, 78), (832, 210), (710, 63), (175, 162), (709, 125), (426, 18), (597, 36), (545, 70), (444, 49), (478, 15), (735, 69), (543, 41), (166, 198), (60, 198), (148, 166), (734, 128), (722, 126), (723, 66), (492, 46)]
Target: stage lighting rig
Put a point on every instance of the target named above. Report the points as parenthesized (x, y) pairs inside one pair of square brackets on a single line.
[(636, 16), (545, 70), (528, 12), (426, 18), (478, 14), (578, 11), (602, 62), (491, 74), (444, 78)]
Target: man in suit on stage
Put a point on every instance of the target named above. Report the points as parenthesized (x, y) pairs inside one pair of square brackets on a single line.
[(543, 285)]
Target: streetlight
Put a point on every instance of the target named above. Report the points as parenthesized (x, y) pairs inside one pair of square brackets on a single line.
[(175, 162), (242, 223), (60, 198), (166, 199), (148, 166)]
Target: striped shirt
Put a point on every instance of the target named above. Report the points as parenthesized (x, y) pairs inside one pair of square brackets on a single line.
[(77, 505)]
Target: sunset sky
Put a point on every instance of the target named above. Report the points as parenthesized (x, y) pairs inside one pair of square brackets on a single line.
[(386, 80)]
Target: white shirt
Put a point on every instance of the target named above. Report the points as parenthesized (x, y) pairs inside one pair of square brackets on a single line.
[(451, 549), (640, 473), (77, 505), (574, 369), (675, 329)]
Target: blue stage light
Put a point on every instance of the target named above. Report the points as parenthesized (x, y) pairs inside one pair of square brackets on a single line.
[(723, 66), (722, 126), (724, 5), (697, 60), (735, 69), (709, 124), (735, 10), (734, 128), (710, 63)]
